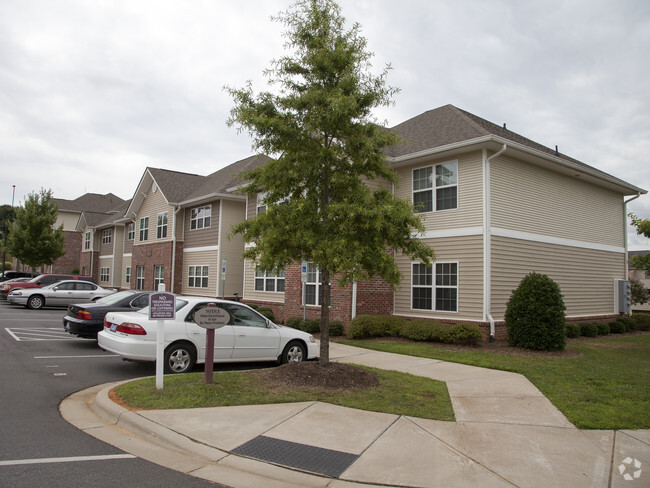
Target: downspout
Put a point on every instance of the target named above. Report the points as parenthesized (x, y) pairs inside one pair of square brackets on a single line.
[(353, 313), (487, 240), (174, 249), (625, 202), (219, 254)]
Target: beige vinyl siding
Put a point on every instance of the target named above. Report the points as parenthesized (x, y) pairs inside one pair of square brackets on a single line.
[(531, 199), (470, 193), (232, 248), (105, 248), (203, 258), (154, 203), (586, 277), (126, 263), (251, 207), (128, 243), (202, 237), (251, 294), (377, 183), (67, 219), (467, 251), (105, 262)]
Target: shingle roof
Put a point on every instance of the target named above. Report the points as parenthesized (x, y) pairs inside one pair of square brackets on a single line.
[(92, 202), (174, 184)]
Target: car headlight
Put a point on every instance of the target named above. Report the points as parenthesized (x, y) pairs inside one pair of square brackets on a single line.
[(312, 340)]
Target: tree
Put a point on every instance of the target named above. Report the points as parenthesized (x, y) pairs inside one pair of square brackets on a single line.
[(33, 238), (638, 293), (323, 142), (642, 228), (7, 216)]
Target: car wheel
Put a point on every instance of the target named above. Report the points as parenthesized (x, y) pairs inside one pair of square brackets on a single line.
[(180, 358), (295, 352), (36, 302)]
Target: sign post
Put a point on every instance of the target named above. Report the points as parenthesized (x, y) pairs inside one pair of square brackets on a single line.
[(162, 306), (303, 279), (223, 278), (210, 318)]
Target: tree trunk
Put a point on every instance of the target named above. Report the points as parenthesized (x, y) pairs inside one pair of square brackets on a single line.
[(325, 318)]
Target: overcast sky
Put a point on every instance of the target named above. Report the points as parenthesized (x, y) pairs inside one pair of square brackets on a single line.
[(92, 92)]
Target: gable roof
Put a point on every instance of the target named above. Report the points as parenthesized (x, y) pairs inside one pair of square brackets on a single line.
[(449, 126), (92, 202), (174, 185)]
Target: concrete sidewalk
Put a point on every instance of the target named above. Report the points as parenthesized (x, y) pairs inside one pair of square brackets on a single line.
[(507, 434)]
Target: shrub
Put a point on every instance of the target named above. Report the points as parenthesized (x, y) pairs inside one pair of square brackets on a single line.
[(603, 328), (467, 334), (364, 326), (336, 328), (572, 330), (535, 314), (427, 330), (630, 323), (616, 327), (294, 323), (588, 329), (267, 312), (311, 326), (360, 327), (642, 321)]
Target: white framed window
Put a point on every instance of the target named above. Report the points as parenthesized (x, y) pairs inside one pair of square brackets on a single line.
[(269, 280), (86, 241), (198, 276), (144, 229), (104, 274), (130, 231), (200, 217), (261, 204), (139, 278), (435, 188), (127, 275), (161, 229), (313, 285), (439, 294), (158, 276), (107, 236)]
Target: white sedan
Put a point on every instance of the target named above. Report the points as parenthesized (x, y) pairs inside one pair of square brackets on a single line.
[(248, 336), (60, 294)]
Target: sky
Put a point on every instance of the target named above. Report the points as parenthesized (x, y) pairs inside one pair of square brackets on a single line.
[(94, 91)]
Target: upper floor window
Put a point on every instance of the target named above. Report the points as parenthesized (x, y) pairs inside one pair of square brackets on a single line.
[(130, 231), (104, 274), (440, 294), (269, 280), (86, 241), (161, 230), (107, 235), (200, 217), (261, 204), (431, 195), (144, 229)]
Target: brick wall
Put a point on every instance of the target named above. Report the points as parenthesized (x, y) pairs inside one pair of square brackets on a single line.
[(150, 255), (72, 254), (92, 268)]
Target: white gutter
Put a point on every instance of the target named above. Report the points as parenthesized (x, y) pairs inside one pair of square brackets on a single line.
[(625, 202), (220, 250), (487, 240), (354, 301), (171, 288)]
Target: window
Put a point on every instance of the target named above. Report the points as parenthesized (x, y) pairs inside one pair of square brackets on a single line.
[(139, 279), (200, 217), (261, 205), (144, 229), (441, 295), (87, 241), (80, 285), (104, 274), (83, 271), (442, 196), (313, 285), (130, 231), (269, 280), (198, 276), (158, 276), (107, 235), (127, 275), (161, 231)]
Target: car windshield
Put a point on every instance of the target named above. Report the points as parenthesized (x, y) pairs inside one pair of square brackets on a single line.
[(179, 304), (115, 297), (34, 280)]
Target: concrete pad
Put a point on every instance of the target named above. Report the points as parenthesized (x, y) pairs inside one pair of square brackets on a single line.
[(642, 435), (531, 456), (247, 473), (513, 385), (334, 427), (77, 412), (445, 371), (631, 463), (508, 410), (387, 360), (407, 455), (225, 427)]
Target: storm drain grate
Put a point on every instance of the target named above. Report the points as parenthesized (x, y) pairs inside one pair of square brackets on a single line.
[(308, 458)]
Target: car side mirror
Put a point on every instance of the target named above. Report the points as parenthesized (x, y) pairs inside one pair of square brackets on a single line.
[(56, 288)]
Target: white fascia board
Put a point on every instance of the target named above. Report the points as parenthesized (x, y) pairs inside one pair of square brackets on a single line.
[(455, 232), (211, 197), (526, 236), (201, 249)]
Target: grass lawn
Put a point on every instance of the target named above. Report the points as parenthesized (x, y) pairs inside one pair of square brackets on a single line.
[(397, 393), (606, 387)]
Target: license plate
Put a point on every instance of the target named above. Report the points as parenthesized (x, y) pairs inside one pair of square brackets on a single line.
[(113, 327)]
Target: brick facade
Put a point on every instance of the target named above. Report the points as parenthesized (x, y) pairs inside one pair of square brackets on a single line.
[(72, 254), (150, 255), (90, 261)]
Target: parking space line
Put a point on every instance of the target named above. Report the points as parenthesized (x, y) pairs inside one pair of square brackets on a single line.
[(71, 459)]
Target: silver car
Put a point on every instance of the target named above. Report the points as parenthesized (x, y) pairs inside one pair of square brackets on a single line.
[(60, 294)]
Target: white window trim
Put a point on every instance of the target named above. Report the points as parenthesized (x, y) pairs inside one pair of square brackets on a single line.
[(266, 278), (104, 275), (191, 274), (434, 187), (162, 227), (87, 241), (434, 287), (107, 236), (138, 277), (143, 230), (130, 231), (127, 274), (158, 279), (258, 203), (201, 219)]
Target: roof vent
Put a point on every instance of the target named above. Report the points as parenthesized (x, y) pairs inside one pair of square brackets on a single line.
[(504, 125), (556, 151)]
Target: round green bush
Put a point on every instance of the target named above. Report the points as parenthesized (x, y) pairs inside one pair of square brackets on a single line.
[(588, 329), (336, 328), (630, 323), (267, 312), (312, 326), (572, 330), (466, 334), (535, 314), (603, 328), (642, 321), (294, 323), (364, 326), (418, 330), (616, 327)]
